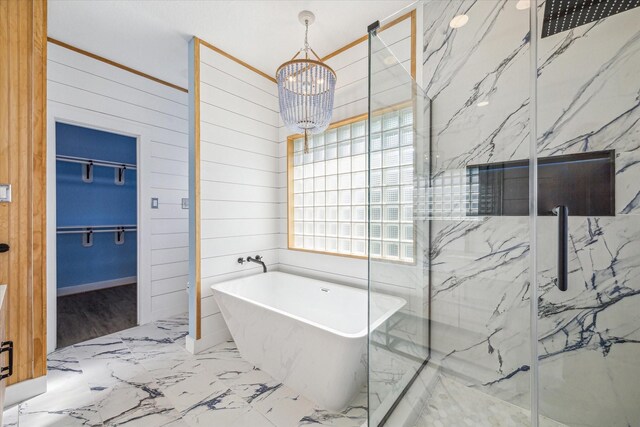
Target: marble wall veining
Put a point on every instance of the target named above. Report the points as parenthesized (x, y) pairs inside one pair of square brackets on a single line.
[(480, 265), (587, 100), (589, 336)]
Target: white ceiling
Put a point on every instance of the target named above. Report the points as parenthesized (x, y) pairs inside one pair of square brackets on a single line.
[(152, 35)]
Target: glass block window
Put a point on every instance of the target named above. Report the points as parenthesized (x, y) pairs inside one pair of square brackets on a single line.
[(454, 195), (328, 189)]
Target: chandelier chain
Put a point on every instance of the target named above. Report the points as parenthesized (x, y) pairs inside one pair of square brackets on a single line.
[(306, 55), (306, 36)]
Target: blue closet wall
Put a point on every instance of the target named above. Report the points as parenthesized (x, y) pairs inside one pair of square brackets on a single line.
[(100, 202)]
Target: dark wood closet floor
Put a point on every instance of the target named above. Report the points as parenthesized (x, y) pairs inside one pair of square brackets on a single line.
[(93, 314)]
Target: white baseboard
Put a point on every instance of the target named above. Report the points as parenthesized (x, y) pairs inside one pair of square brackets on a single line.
[(19, 392), (196, 346), (88, 287)]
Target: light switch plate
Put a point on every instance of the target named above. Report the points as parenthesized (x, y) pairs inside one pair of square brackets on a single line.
[(5, 192), (185, 203), (154, 203)]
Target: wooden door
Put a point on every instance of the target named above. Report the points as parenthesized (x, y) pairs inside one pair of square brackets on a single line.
[(5, 362), (23, 43)]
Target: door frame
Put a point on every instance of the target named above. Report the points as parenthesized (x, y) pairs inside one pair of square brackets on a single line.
[(61, 113)]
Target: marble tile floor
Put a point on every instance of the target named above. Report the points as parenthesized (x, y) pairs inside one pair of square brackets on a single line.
[(452, 404), (389, 374), (143, 376)]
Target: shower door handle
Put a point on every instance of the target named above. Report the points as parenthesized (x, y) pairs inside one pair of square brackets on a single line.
[(562, 281)]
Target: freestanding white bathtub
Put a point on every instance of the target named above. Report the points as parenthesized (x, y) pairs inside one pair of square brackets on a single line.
[(309, 334)]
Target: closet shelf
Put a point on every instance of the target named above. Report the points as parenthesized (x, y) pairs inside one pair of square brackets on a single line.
[(94, 162), (87, 232), (83, 229)]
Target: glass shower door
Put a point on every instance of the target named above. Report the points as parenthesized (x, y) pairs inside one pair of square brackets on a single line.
[(588, 120), (521, 281), (398, 233), (459, 350)]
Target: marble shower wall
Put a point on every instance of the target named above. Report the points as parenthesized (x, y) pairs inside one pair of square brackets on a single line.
[(588, 99), (480, 266), (589, 336)]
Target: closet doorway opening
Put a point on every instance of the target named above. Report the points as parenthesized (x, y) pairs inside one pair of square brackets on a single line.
[(96, 217)]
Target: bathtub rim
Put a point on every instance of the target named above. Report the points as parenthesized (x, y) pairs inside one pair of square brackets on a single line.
[(398, 304)]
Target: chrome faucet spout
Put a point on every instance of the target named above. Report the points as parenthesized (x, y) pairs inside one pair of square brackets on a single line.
[(258, 260)]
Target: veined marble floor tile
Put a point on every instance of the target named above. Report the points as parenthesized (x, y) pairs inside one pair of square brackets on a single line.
[(144, 377), (112, 365), (357, 409), (177, 328), (63, 418), (252, 419), (182, 373), (452, 404), (106, 347), (226, 350), (10, 417), (285, 407), (217, 405), (68, 400), (137, 401), (148, 340), (320, 417), (225, 361), (253, 385)]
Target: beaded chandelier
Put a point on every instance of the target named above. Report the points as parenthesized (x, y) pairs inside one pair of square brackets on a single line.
[(306, 88)]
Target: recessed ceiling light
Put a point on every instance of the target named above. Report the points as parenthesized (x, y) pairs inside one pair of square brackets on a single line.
[(459, 21), (523, 4), (483, 103)]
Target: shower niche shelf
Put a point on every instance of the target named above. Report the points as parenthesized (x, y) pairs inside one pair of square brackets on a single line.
[(584, 182)]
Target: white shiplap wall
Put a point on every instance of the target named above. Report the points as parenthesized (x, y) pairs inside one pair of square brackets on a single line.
[(83, 83), (238, 178), (243, 173), (351, 67)]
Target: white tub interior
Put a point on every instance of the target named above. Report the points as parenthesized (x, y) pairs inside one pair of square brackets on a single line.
[(336, 308)]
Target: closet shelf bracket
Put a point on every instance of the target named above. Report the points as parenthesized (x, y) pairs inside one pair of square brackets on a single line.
[(87, 172), (119, 175), (87, 238), (89, 164), (87, 232)]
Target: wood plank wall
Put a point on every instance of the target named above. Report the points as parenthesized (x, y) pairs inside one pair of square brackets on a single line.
[(23, 44)]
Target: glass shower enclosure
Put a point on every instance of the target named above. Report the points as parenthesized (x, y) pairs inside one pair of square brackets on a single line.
[(399, 165), (503, 209)]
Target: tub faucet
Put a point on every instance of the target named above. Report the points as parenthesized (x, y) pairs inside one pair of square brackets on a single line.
[(258, 260)]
